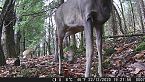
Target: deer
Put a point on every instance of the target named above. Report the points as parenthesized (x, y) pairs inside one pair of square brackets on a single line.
[(28, 53), (75, 16)]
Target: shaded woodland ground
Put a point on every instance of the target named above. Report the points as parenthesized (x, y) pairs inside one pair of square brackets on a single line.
[(120, 60)]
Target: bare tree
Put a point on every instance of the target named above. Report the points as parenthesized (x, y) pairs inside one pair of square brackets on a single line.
[(133, 16), (140, 4), (9, 22), (123, 16)]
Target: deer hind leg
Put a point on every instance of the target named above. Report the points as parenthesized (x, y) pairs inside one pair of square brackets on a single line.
[(99, 48), (89, 46)]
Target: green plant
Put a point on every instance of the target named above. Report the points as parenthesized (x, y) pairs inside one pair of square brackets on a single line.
[(81, 50), (140, 47), (109, 51), (71, 47), (143, 37)]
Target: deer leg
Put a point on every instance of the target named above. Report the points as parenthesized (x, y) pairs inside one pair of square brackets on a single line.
[(60, 49), (56, 49), (99, 48), (89, 46)]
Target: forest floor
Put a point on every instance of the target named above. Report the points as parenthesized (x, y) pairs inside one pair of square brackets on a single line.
[(121, 62)]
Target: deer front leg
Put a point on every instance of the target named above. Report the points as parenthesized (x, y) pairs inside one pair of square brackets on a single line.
[(56, 59), (99, 48), (89, 46), (60, 49)]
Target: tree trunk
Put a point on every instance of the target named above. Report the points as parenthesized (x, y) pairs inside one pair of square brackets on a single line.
[(6, 7), (133, 16), (2, 57), (38, 50), (18, 38), (73, 39), (119, 19), (81, 40), (3, 38), (143, 7), (23, 41), (44, 49), (122, 12), (114, 26), (66, 44), (49, 36), (9, 22), (140, 8)]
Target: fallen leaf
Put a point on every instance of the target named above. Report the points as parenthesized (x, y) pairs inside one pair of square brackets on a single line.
[(118, 50), (114, 71), (139, 65), (66, 73), (137, 70), (139, 56), (118, 63), (130, 50)]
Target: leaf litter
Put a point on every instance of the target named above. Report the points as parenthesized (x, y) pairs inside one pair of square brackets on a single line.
[(121, 62)]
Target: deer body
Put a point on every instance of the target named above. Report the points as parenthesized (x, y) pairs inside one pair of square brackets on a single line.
[(83, 15), (27, 53)]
